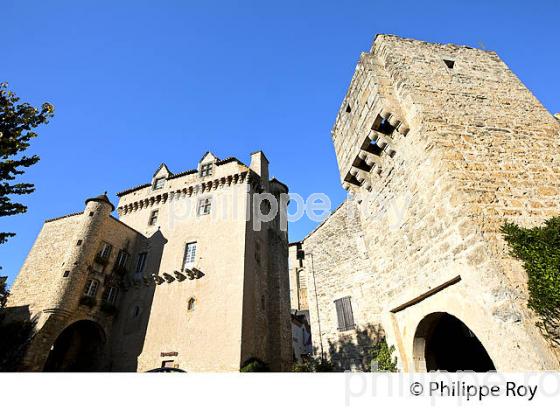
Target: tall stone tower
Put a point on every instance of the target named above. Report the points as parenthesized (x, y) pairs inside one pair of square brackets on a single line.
[(223, 296), (193, 275), (439, 146)]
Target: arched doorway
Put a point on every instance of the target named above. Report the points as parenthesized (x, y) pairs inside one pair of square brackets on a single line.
[(77, 349), (443, 342)]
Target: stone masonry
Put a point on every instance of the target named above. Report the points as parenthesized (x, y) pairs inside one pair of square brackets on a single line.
[(438, 145), (185, 278)]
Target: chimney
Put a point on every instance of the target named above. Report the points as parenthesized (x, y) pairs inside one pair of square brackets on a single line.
[(259, 164)]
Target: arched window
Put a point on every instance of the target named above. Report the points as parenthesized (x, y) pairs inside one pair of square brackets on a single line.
[(191, 304), (91, 287)]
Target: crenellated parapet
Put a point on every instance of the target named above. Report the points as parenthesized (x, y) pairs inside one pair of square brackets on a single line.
[(193, 190)]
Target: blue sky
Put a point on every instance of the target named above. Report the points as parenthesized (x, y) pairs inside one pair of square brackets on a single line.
[(136, 83)]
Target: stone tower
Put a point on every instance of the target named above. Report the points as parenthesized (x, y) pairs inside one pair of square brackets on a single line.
[(67, 288), (438, 145), (193, 275)]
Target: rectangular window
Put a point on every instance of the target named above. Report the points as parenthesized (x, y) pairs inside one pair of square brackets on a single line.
[(91, 288), (190, 255), (122, 258), (204, 206), (205, 170), (344, 313), (167, 363), (111, 295), (141, 262), (153, 217), (159, 183), (105, 250)]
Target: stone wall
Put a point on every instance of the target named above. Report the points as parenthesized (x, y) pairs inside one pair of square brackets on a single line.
[(440, 145)]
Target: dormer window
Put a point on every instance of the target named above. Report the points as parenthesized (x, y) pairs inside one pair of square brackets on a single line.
[(206, 170), (159, 183)]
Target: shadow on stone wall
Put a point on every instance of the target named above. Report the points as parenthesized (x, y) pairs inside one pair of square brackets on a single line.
[(17, 328), (354, 351)]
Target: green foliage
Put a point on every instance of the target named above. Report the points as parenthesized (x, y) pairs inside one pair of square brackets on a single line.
[(313, 365), (17, 121), (382, 357), (88, 301), (13, 343), (4, 292), (254, 365), (108, 308), (539, 250)]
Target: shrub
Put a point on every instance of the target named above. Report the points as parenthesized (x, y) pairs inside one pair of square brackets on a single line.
[(254, 365), (539, 250), (88, 301)]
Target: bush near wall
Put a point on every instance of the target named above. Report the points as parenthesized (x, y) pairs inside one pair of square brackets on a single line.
[(539, 250)]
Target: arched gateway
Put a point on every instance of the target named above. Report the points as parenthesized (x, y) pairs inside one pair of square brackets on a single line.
[(443, 342), (77, 349)]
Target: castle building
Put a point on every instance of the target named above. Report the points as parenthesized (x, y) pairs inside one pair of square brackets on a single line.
[(438, 146), (192, 275)]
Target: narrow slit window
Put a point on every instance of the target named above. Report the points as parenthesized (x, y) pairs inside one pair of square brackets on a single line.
[(449, 63)]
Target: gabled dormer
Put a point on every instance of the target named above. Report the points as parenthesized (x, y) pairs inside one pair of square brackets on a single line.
[(160, 176), (207, 165)]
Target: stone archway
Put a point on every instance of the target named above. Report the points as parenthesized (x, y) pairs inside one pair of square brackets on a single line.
[(443, 342), (78, 348)]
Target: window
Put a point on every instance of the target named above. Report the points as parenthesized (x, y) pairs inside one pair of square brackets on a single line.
[(153, 217), (204, 206), (110, 295), (258, 252), (122, 258), (168, 363), (79, 242), (348, 108), (190, 255), (141, 262), (66, 274), (344, 313), (191, 304), (91, 287), (205, 170), (449, 63), (105, 250), (159, 183)]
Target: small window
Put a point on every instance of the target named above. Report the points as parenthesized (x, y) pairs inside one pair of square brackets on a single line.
[(153, 217), (122, 259), (263, 304), (141, 262), (79, 242), (348, 108), (159, 183), (449, 63), (66, 274), (91, 287), (91, 214), (204, 206), (191, 304), (258, 252), (168, 363), (136, 311), (190, 255), (110, 295), (206, 170), (344, 313), (105, 251)]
